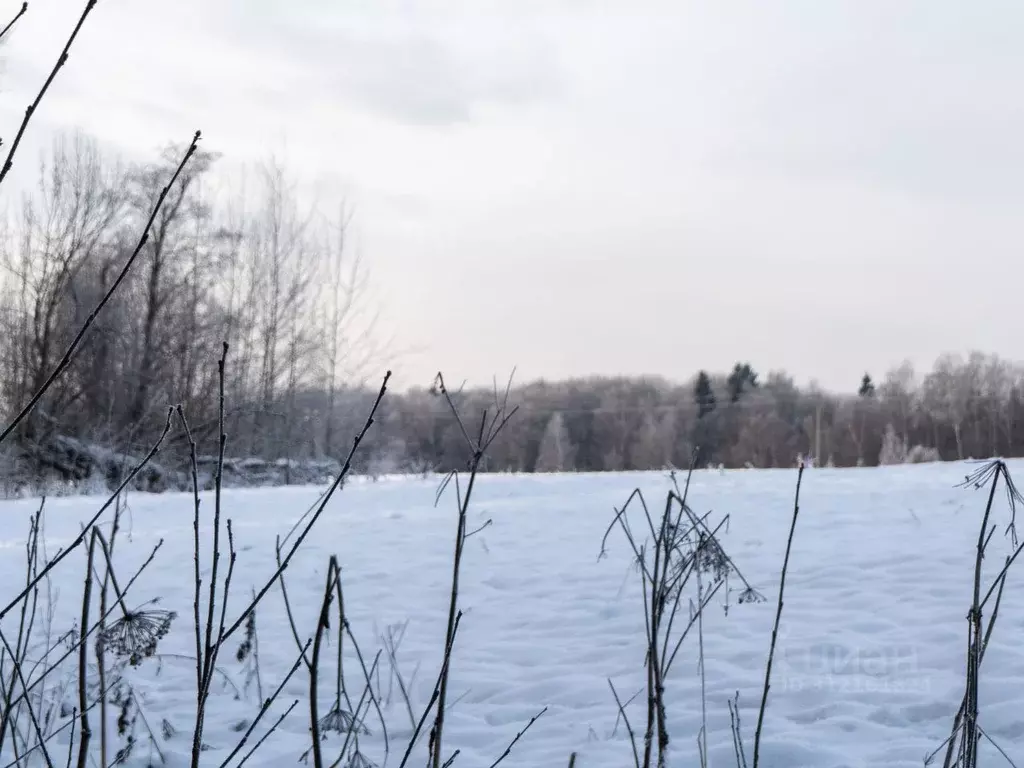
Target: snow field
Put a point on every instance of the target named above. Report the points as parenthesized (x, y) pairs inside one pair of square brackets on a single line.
[(871, 652)]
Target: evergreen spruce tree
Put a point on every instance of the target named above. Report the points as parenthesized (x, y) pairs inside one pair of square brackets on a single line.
[(705, 431), (742, 378), (867, 387), (704, 395)]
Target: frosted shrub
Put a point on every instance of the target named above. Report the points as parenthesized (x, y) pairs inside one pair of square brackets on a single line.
[(920, 454), (894, 449)]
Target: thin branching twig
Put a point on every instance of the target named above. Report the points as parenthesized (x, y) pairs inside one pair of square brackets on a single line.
[(31, 109), (518, 736), (12, 22)]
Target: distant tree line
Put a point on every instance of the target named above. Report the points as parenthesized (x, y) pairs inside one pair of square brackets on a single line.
[(278, 281), (961, 408)]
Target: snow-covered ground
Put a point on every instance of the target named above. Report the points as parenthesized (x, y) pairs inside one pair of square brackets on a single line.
[(869, 670)]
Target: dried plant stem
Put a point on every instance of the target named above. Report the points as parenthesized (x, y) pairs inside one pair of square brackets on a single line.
[(208, 646), (508, 749), (211, 634), (19, 676), (367, 673), (778, 620), (487, 433), (680, 546), (268, 734), (100, 649), (289, 613), (434, 696), (264, 708), (962, 744), (391, 647), (314, 665), (209, 657), (736, 727), (71, 737), (83, 705), (196, 549), (702, 738), (224, 676), (629, 728), (969, 741), (26, 623), (453, 606), (69, 725)]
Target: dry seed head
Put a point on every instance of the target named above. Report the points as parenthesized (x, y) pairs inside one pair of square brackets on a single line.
[(135, 636)]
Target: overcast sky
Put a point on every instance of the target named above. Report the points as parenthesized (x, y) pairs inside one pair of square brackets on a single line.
[(620, 187)]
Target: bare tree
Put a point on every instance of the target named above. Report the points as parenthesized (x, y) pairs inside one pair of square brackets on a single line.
[(652, 444), (346, 325), (282, 279), (997, 381), (897, 393), (949, 391), (556, 452), (170, 252), (64, 227)]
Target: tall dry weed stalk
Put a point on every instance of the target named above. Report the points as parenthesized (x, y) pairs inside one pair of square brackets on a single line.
[(683, 566), (961, 748), (682, 562)]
